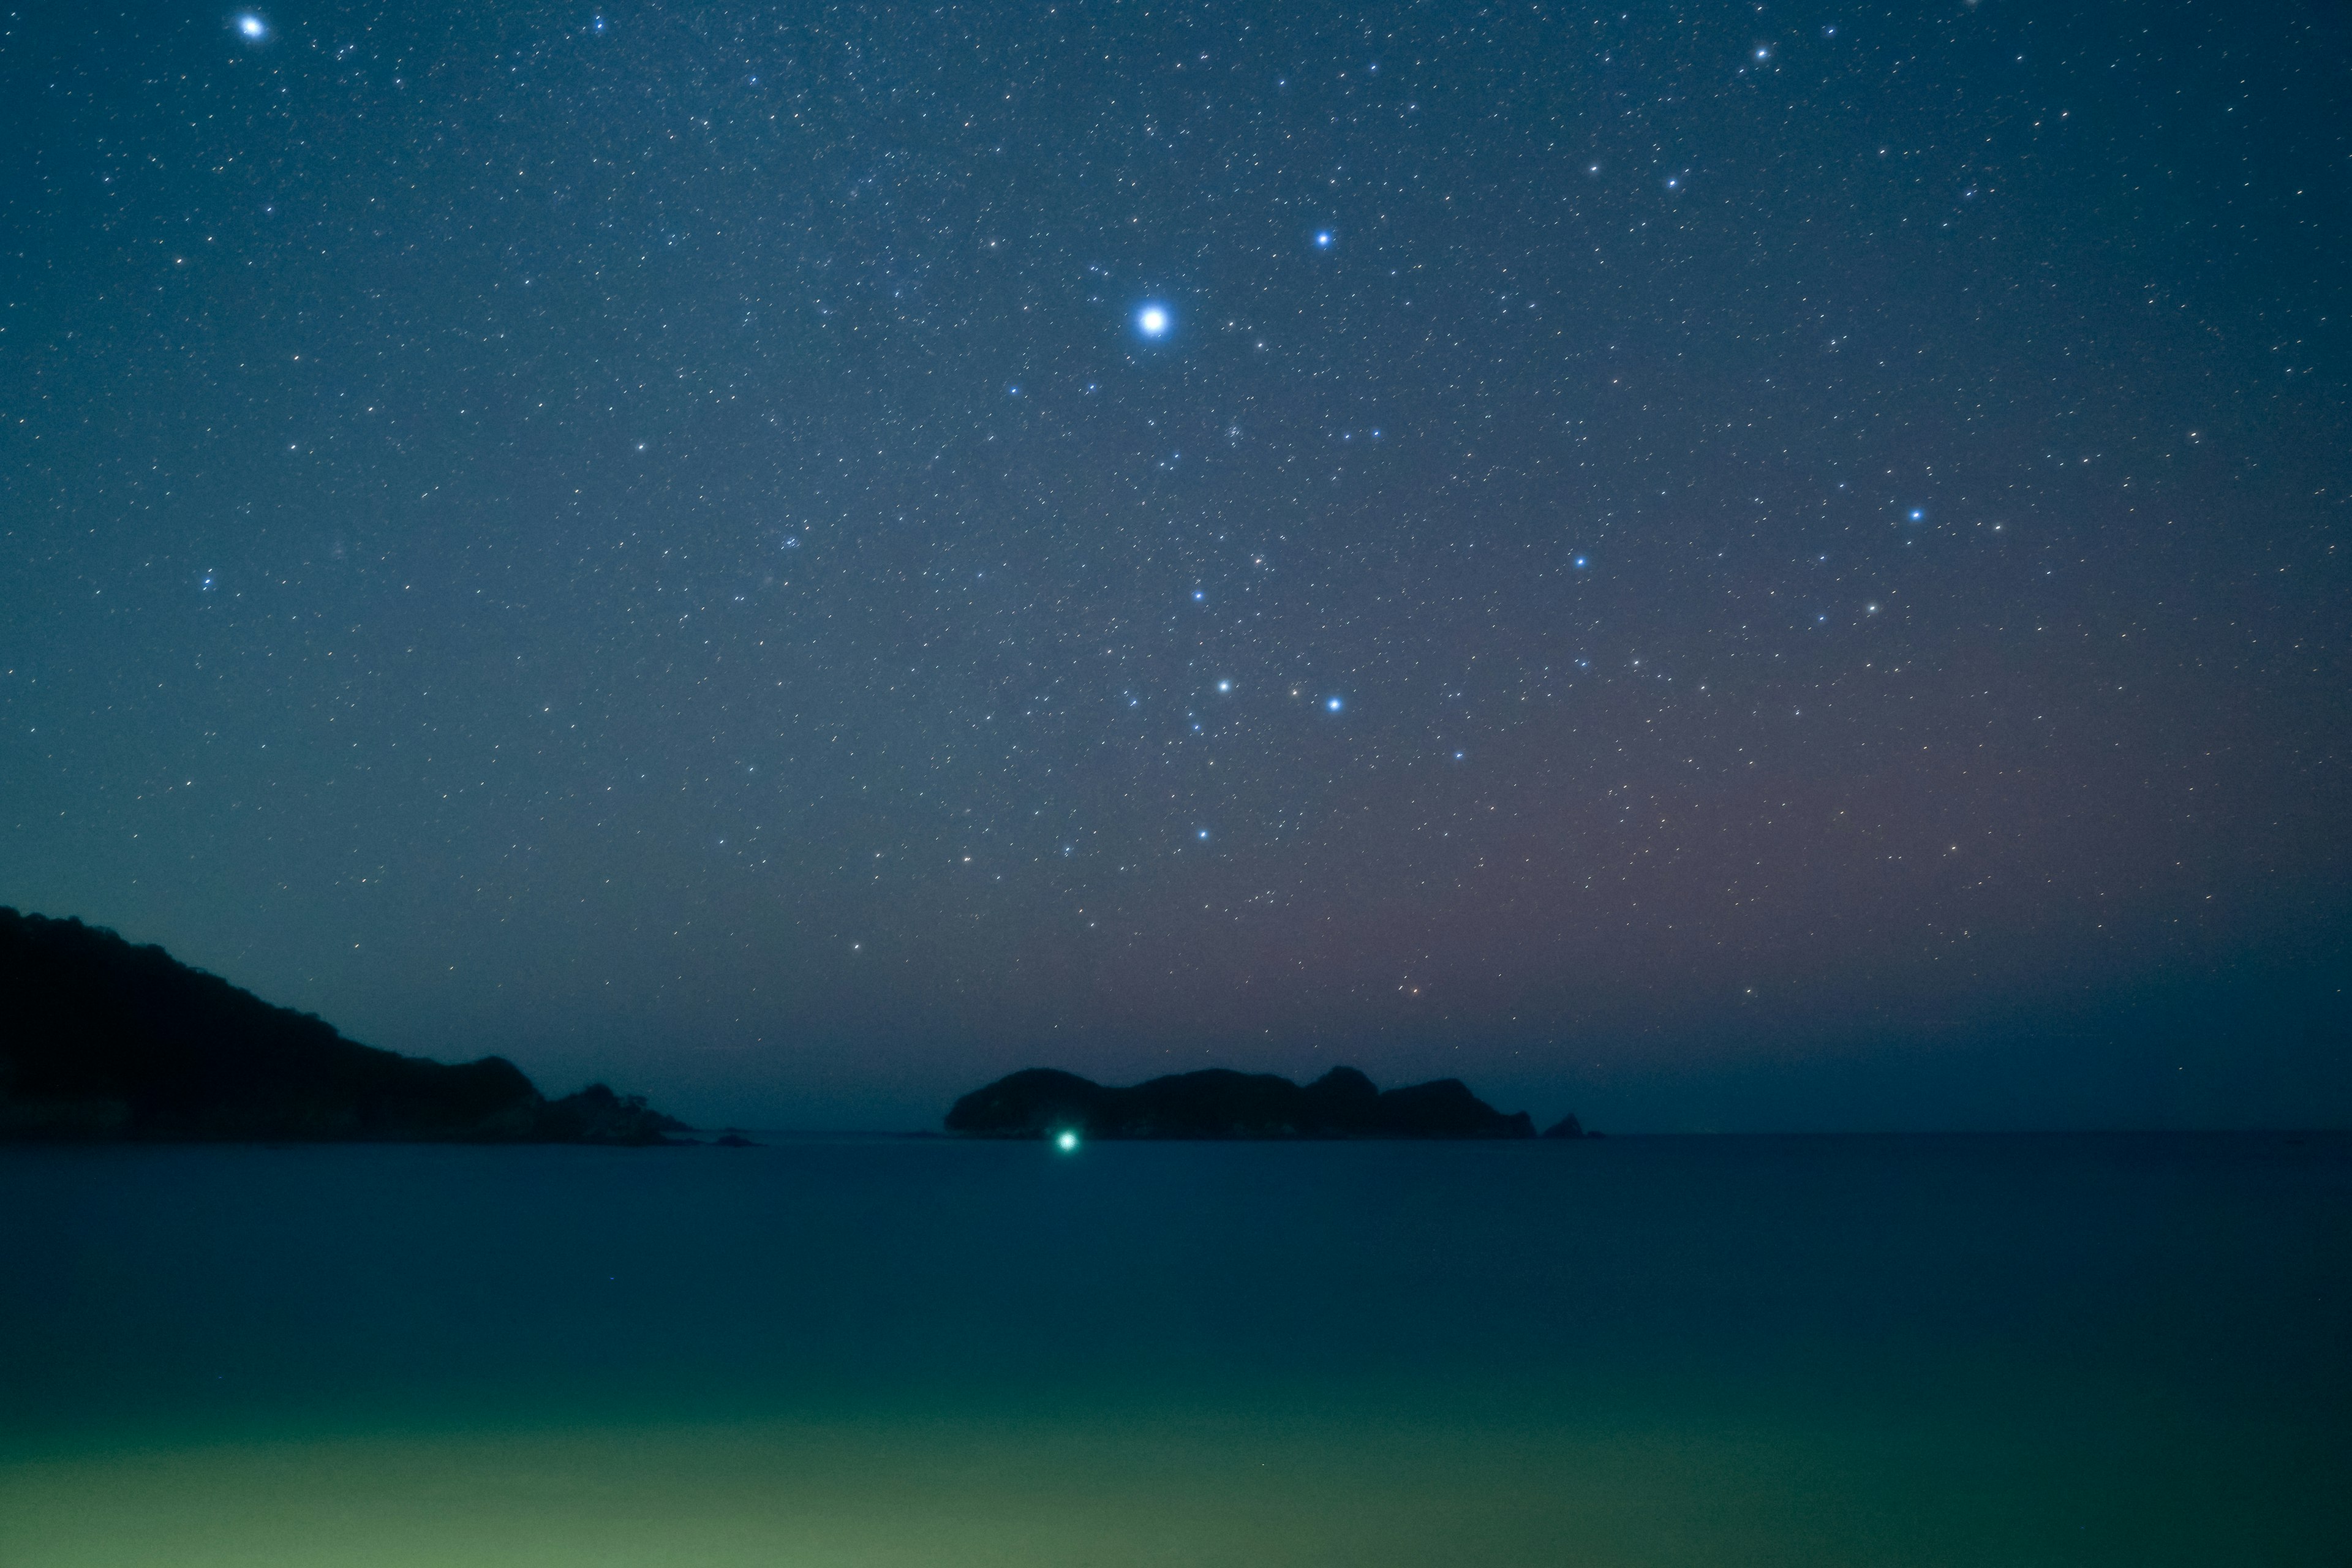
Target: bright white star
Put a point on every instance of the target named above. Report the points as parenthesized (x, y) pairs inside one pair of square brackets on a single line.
[(253, 26), (1333, 703), (1153, 321)]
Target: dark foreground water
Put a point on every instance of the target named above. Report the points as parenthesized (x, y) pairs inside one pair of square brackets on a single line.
[(1996, 1351)]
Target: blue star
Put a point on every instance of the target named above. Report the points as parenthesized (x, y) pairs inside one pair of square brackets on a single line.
[(1153, 321), (1323, 240), (251, 25), (1581, 562), (1333, 703), (1919, 514)]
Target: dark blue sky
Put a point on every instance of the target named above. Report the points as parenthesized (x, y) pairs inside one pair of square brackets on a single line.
[(1727, 566)]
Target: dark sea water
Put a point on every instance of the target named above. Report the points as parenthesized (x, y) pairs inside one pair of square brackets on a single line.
[(1967, 1351)]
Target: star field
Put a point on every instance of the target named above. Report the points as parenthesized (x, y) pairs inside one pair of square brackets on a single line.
[(803, 560)]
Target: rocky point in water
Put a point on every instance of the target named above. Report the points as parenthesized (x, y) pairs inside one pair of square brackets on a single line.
[(104, 1041), (1219, 1103)]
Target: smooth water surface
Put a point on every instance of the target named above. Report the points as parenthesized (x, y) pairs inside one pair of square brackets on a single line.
[(2038, 1350)]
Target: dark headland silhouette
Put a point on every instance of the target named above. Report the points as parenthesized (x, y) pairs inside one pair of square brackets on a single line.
[(103, 1040), (1219, 1103)]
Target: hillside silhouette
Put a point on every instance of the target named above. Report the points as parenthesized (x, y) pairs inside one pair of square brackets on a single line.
[(100, 1039), (1220, 1104)]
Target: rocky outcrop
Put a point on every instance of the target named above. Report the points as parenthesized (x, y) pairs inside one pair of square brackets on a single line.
[(1220, 1103), (103, 1040)]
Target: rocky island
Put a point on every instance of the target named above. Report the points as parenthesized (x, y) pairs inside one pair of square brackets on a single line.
[(101, 1040), (1219, 1103)]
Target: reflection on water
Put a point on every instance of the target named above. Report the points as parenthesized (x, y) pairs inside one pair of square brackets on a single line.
[(1962, 1350)]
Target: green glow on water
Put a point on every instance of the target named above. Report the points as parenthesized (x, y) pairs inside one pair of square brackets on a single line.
[(1229, 1489), (1827, 1354)]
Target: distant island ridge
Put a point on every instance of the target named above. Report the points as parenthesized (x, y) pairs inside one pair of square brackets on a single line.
[(1219, 1103), (104, 1041)]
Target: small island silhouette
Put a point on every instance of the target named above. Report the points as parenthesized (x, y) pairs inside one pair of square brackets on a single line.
[(1218, 1102), (101, 1040)]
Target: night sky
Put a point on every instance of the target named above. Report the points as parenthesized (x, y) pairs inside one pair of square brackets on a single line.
[(1723, 566)]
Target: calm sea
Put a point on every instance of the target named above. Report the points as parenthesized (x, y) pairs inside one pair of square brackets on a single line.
[(1736, 1351)]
